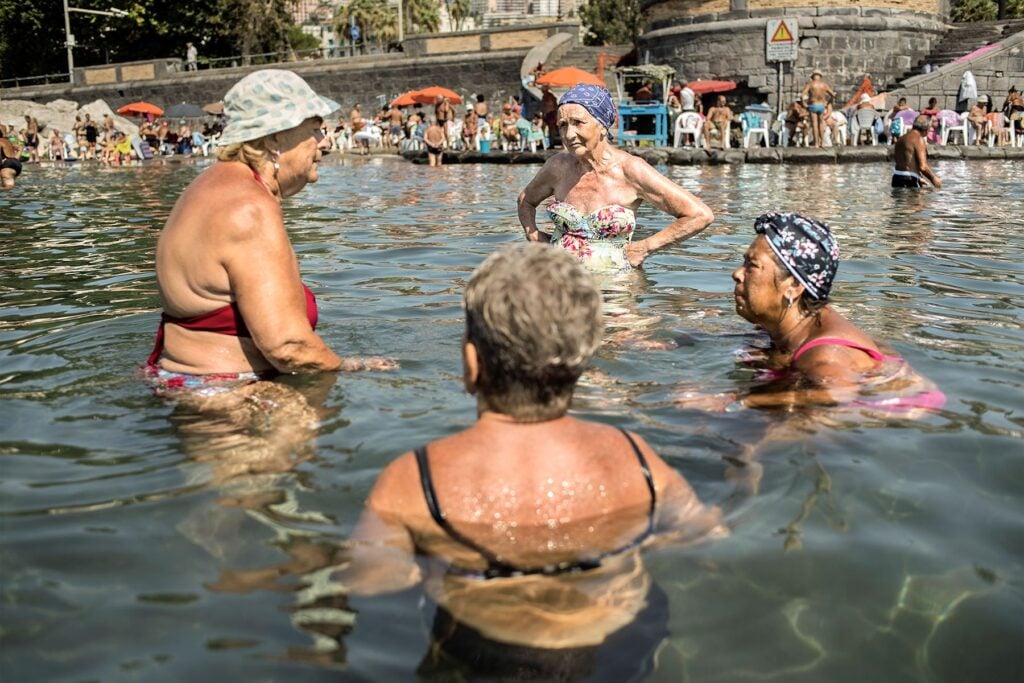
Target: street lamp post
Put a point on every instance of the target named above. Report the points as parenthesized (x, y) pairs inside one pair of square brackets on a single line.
[(69, 39)]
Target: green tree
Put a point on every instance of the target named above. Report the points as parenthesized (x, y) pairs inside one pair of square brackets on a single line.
[(612, 22), (459, 11), (421, 16), (986, 10)]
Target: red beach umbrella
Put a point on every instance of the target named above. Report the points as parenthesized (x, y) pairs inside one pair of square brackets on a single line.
[(430, 95), (140, 109), (568, 76), (404, 100), (705, 87)]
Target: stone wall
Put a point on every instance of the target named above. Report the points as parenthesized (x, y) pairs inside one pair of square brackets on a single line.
[(348, 81), (845, 43), (486, 40), (994, 72), (662, 13)]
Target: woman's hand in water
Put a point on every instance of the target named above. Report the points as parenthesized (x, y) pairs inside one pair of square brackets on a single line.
[(372, 363), (636, 253), (711, 403)]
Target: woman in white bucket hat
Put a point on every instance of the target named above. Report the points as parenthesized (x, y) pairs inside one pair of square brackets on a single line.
[(235, 308)]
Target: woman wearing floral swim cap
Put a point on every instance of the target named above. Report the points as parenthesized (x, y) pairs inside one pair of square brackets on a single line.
[(597, 189), (817, 356)]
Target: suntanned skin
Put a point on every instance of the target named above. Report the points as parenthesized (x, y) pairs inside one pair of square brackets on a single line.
[(762, 287), (719, 116), (977, 118), (911, 154), (435, 137), (7, 175), (598, 495), (225, 241), (817, 91), (592, 173), (797, 119)]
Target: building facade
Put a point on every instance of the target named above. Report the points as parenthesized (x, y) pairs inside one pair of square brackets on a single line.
[(844, 39)]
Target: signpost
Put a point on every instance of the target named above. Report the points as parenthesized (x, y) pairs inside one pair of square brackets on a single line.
[(782, 38)]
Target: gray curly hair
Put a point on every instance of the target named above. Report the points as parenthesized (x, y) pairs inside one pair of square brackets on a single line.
[(534, 315)]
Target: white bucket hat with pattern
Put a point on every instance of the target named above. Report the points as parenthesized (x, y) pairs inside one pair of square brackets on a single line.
[(270, 101)]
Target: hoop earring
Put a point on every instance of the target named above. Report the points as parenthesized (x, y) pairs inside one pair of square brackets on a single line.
[(789, 303), (277, 163)]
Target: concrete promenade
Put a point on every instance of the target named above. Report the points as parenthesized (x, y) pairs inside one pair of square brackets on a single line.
[(688, 156)]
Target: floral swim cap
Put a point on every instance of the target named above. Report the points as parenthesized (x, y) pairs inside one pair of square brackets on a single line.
[(805, 246), (593, 98)]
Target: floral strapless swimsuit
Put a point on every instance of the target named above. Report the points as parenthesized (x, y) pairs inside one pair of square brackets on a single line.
[(597, 239)]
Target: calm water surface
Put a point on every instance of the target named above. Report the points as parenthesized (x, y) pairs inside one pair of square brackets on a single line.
[(135, 547)]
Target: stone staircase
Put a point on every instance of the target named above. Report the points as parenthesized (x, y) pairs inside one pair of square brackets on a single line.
[(586, 56), (965, 38)]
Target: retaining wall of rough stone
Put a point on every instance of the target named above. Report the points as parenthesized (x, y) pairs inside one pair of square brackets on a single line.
[(347, 81), (845, 43), (994, 72)]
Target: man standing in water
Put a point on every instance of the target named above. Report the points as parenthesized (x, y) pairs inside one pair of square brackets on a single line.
[(10, 167), (911, 157), (817, 94), (434, 139)]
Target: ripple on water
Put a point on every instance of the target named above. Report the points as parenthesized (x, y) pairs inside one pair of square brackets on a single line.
[(864, 537)]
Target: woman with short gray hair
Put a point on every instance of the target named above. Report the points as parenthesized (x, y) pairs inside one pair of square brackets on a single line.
[(528, 501)]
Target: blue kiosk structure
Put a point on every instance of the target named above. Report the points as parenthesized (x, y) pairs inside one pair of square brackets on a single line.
[(632, 112)]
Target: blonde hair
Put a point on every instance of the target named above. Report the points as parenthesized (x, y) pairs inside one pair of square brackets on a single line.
[(534, 315), (252, 153)]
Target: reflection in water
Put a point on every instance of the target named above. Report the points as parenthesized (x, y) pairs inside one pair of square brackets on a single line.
[(119, 509)]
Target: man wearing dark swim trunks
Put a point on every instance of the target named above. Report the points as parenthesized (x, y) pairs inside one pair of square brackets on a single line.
[(911, 157), (818, 94), (91, 135), (10, 167), (434, 139)]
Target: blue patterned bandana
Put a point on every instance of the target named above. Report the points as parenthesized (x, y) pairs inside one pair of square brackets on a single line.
[(805, 246), (593, 98)]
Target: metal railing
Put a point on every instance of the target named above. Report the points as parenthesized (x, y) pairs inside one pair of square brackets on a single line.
[(22, 81)]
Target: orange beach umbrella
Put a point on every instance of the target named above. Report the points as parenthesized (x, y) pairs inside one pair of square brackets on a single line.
[(705, 87), (404, 100), (430, 95), (141, 108), (568, 76)]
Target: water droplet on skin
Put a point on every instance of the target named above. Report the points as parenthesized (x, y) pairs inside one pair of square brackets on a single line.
[(590, 529), (497, 515), (551, 494), (552, 524)]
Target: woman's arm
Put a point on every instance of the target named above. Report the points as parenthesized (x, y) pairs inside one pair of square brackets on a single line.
[(540, 188), (381, 551), (691, 214), (264, 279)]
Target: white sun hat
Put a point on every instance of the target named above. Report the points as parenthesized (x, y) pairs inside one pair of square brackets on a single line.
[(270, 101)]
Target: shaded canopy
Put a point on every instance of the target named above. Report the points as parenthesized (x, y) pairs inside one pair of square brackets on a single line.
[(652, 71), (141, 109), (430, 95), (705, 87), (183, 110), (568, 76)]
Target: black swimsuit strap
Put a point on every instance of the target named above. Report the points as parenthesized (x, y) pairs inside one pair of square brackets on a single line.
[(430, 496), (498, 568)]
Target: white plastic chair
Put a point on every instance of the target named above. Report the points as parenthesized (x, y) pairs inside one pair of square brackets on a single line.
[(997, 130), (752, 124), (864, 119), (689, 123), (950, 122), (841, 125)]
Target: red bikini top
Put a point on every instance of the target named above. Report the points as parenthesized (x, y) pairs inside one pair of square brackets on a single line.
[(225, 320)]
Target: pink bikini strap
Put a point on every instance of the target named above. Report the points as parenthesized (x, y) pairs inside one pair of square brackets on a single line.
[(839, 341)]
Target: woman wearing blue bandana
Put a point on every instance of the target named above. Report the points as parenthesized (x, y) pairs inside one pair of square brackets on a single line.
[(597, 189), (817, 356)]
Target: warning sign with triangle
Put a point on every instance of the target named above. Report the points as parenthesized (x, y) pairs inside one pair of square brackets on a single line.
[(782, 34), (782, 39)]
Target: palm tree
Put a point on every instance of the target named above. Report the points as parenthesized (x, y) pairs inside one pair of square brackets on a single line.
[(422, 15)]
